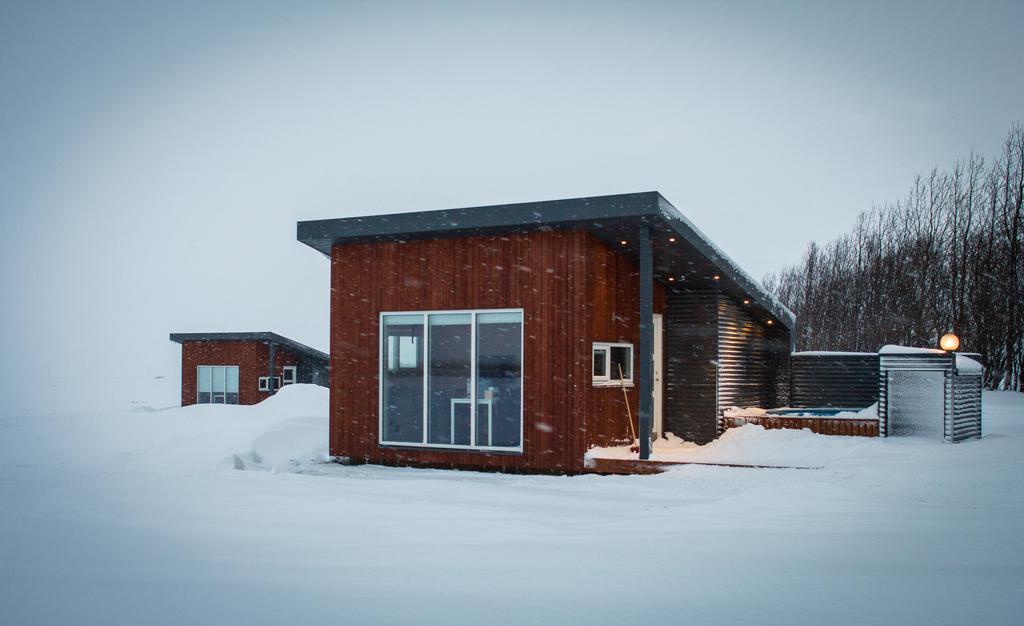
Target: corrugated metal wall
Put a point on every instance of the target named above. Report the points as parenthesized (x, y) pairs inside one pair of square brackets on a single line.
[(690, 347), (753, 359), (313, 371), (847, 380), (717, 355), (961, 393), (743, 372), (965, 421), (912, 361)]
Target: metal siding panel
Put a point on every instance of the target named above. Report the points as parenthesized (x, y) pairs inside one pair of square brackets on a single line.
[(746, 377), (834, 380), (690, 352), (883, 402), (961, 394), (966, 414)]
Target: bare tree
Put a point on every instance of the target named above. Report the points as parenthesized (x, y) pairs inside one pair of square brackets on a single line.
[(947, 257)]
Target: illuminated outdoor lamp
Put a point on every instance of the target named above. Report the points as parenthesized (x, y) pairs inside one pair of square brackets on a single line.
[(949, 342)]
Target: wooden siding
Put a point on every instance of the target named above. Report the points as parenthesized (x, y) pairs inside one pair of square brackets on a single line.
[(573, 291)]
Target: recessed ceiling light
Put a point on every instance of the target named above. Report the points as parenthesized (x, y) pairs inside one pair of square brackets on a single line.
[(671, 279), (769, 322), (623, 242), (716, 277), (746, 302), (672, 239)]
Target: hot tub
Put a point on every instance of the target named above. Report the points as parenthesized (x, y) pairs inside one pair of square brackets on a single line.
[(823, 420)]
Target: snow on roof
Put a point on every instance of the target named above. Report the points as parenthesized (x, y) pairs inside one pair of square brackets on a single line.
[(828, 353), (891, 349), (966, 364)]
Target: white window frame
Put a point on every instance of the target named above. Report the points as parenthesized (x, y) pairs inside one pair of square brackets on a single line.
[(237, 393), (423, 443), (265, 383), (293, 370), (605, 379)]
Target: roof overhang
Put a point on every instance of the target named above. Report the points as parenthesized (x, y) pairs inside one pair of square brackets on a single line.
[(261, 337), (690, 261)]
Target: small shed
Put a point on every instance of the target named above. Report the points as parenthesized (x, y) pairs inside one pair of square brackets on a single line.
[(929, 393), (244, 368)]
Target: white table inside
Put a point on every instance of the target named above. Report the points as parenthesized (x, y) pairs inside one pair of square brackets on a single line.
[(489, 403)]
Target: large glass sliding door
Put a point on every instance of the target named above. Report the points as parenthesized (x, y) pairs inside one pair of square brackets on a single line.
[(452, 379)]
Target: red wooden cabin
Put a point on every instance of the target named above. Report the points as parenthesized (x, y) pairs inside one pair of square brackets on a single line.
[(493, 337), (244, 368)]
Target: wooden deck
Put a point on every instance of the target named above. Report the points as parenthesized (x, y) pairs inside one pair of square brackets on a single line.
[(636, 466)]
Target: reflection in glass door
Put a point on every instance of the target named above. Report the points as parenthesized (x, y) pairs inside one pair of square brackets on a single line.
[(450, 378)]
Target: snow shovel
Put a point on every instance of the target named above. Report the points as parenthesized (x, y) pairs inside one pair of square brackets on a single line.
[(634, 445)]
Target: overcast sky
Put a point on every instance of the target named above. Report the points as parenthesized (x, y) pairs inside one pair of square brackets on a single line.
[(154, 161)]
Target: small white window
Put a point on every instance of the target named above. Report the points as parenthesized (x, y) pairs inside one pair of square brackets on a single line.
[(288, 375), (612, 364), (269, 383)]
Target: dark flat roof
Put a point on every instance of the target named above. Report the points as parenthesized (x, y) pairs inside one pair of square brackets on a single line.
[(612, 219), (265, 337)]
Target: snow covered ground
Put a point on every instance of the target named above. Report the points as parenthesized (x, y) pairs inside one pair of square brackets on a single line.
[(141, 517)]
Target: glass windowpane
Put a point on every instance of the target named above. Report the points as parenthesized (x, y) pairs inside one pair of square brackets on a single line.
[(499, 379), (600, 362), (621, 361), (402, 381), (205, 378), (450, 378), (219, 379)]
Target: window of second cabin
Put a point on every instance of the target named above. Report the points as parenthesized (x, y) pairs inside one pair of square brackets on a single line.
[(217, 384), (612, 364), (288, 373)]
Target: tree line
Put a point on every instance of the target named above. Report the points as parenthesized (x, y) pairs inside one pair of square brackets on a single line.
[(948, 257)]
